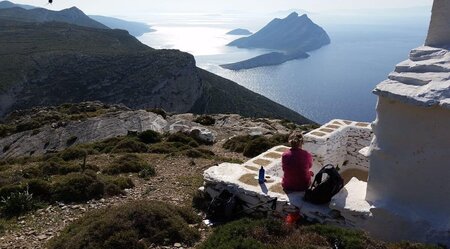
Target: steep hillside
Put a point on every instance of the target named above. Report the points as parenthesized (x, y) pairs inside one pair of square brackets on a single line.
[(40, 15), (54, 63), (224, 96)]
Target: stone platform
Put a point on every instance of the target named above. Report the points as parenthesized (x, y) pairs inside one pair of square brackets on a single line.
[(338, 142)]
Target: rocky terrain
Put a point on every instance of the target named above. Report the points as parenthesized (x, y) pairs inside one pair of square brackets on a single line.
[(97, 122)]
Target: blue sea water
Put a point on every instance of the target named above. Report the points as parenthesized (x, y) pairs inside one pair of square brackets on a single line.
[(336, 81)]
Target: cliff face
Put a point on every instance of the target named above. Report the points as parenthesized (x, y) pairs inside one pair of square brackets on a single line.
[(106, 65)]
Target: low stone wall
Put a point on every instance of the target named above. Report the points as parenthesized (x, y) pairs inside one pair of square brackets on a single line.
[(340, 143), (337, 142)]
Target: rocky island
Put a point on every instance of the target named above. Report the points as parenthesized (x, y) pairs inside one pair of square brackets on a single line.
[(294, 36), (239, 32), (270, 59)]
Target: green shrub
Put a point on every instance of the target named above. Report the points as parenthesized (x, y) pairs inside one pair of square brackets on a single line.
[(107, 145), (40, 189), (237, 143), (73, 154), (6, 130), (193, 153), (257, 146), (76, 187), (121, 182), (27, 125), (7, 190), (252, 146), (57, 166), (288, 124), (199, 153), (147, 172), (159, 111), (31, 172), (235, 234), (149, 137), (130, 145), (182, 138), (52, 166), (205, 120), (167, 147), (113, 190), (71, 140), (132, 225), (193, 144), (128, 163), (17, 203), (347, 238)]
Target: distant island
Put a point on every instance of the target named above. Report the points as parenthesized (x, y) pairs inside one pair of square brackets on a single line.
[(292, 37), (134, 28), (239, 32), (270, 59)]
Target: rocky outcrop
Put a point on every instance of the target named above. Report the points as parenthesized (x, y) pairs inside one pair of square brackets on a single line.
[(295, 35), (55, 138), (292, 33)]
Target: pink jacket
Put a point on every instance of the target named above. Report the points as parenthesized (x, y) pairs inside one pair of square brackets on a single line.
[(296, 165)]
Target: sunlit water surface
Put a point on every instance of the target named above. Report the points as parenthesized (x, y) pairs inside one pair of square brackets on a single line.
[(335, 82)]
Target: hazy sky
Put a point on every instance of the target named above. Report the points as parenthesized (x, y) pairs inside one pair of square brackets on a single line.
[(118, 7)]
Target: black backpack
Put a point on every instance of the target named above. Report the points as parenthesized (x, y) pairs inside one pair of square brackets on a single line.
[(321, 192), (223, 207)]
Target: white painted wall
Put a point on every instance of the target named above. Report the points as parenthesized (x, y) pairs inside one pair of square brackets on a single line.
[(439, 31), (410, 160), (340, 146)]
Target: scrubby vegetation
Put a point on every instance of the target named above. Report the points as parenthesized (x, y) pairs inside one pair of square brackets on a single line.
[(252, 146), (134, 225), (62, 177), (17, 203), (274, 234), (149, 137), (128, 163), (205, 120)]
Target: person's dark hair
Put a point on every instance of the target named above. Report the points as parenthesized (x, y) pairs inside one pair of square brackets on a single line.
[(296, 139)]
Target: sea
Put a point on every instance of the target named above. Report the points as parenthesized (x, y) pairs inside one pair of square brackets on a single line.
[(336, 81)]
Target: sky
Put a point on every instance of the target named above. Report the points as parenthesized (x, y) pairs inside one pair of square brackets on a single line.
[(121, 7)]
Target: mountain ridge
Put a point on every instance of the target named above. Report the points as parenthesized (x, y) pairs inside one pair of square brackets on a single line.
[(40, 15)]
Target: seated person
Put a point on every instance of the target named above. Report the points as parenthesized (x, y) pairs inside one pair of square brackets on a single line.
[(296, 164)]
